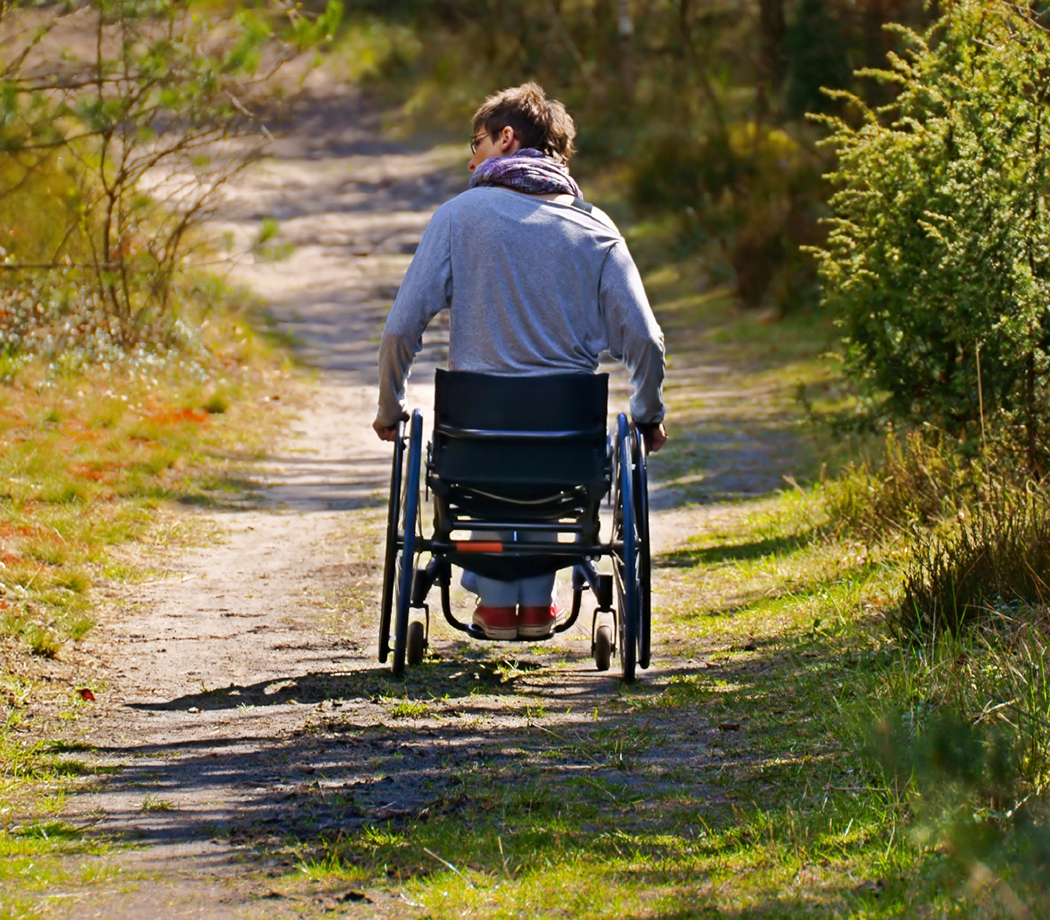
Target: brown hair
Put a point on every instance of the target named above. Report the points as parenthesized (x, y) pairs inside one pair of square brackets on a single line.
[(537, 121)]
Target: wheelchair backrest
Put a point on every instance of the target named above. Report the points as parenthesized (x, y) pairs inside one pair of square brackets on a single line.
[(494, 432)]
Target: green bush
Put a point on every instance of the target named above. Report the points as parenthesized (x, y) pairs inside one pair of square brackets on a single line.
[(754, 196), (973, 796), (966, 745), (938, 259)]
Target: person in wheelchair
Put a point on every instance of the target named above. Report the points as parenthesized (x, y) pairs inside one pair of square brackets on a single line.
[(536, 281)]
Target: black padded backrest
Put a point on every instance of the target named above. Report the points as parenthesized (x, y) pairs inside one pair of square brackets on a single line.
[(483, 423)]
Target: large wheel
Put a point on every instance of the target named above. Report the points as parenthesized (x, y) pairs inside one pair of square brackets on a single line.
[(641, 517), (393, 542), (626, 567), (406, 562)]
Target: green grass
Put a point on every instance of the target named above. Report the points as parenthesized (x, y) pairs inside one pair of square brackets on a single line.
[(40, 863), (93, 461), (34, 848), (743, 777), (86, 463)]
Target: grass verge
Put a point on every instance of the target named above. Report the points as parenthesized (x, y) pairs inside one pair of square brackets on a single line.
[(746, 776), (87, 462), (94, 466)]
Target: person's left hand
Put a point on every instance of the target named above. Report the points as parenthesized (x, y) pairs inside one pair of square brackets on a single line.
[(655, 437)]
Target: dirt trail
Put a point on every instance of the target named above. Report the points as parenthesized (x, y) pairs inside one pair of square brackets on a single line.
[(233, 714)]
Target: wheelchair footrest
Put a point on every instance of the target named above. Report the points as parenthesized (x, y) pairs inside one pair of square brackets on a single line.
[(476, 632)]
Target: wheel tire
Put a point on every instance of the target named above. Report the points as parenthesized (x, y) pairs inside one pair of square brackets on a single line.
[(417, 643), (603, 648), (407, 559), (393, 543), (641, 517), (625, 561)]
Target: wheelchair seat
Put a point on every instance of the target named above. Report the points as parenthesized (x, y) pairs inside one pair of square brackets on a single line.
[(528, 455), (519, 437)]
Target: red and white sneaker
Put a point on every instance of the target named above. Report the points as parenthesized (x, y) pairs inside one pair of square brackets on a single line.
[(496, 622), (536, 622)]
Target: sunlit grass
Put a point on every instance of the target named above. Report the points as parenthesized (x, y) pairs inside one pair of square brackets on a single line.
[(42, 859), (85, 463), (738, 778)]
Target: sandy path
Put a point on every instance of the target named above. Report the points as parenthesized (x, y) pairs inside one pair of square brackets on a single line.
[(225, 674), (202, 773)]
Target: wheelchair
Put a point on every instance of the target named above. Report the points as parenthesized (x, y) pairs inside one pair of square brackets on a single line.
[(519, 469)]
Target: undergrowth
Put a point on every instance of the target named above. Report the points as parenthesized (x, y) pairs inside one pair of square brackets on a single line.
[(993, 565), (907, 482), (960, 724)]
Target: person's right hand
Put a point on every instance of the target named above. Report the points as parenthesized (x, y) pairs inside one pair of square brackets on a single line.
[(387, 432), (653, 434)]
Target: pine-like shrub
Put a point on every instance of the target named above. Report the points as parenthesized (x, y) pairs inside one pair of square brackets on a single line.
[(938, 258)]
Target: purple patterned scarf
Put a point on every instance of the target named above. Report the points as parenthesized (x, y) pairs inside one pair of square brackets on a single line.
[(527, 171)]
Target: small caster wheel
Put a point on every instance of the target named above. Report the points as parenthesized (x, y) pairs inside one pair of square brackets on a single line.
[(416, 643), (603, 648)]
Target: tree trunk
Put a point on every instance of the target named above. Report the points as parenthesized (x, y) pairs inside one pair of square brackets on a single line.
[(771, 40), (1035, 465), (625, 28)]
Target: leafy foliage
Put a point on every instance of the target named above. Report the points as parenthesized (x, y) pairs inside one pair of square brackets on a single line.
[(117, 148), (938, 260), (755, 197), (970, 785)]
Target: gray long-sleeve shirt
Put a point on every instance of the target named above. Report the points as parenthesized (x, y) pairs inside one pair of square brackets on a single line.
[(532, 287)]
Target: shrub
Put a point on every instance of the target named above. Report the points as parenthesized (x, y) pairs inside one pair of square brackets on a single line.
[(912, 485), (754, 195), (114, 154), (938, 258), (973, 798), (967, 743), (996, 561)]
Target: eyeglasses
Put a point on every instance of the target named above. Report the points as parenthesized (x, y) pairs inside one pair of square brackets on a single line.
[(476, 141)]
